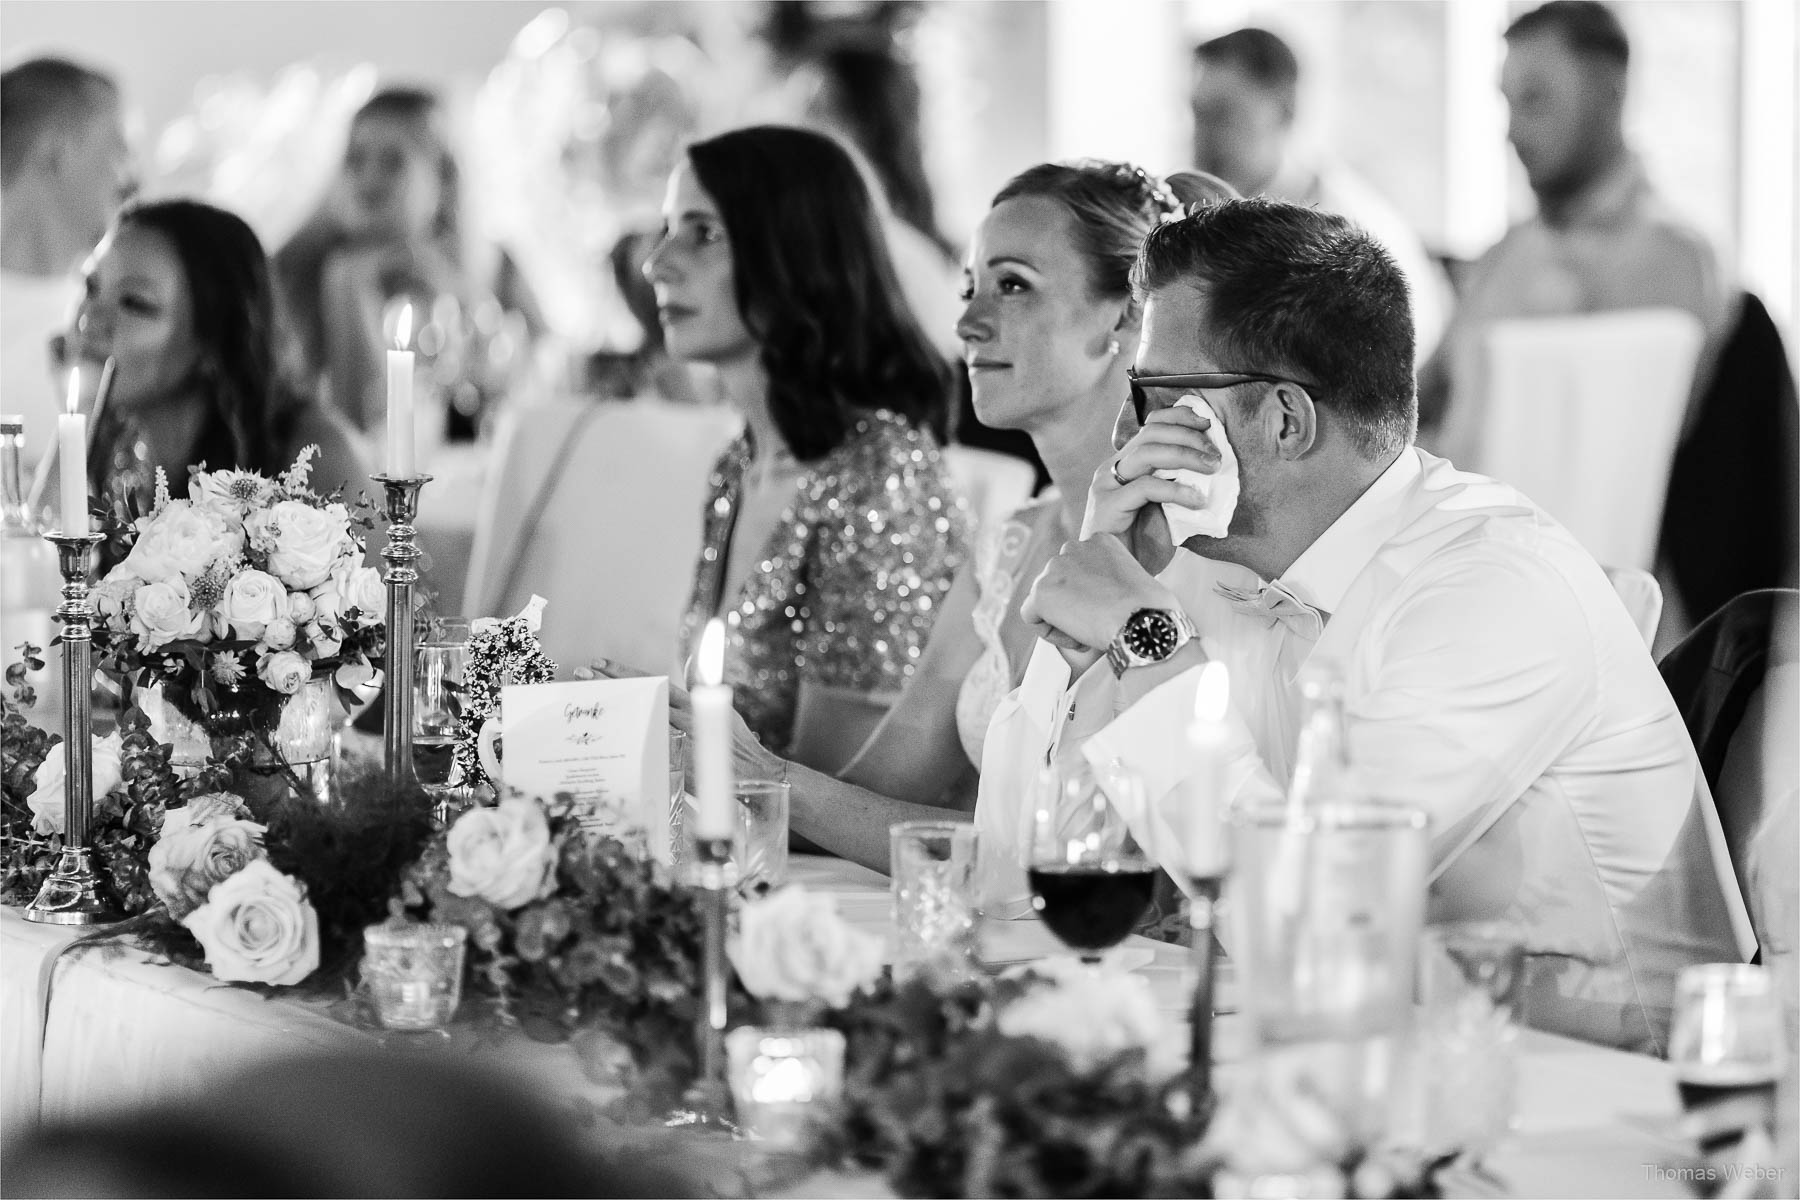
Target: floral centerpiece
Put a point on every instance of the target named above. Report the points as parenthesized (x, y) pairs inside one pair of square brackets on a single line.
[(232, 600)]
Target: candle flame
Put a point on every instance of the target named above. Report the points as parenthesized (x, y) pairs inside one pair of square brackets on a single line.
[(73, 401), (403, 327), (710, 662), (1212, 693)]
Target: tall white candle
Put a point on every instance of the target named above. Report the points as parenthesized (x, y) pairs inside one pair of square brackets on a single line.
[(71, 451), (400, 399), (1205, 798), (714, 815)]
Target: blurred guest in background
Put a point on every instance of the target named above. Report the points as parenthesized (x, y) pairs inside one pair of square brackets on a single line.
[(1244, 96), (178, 295), (392, 227), (65, 168), (833, 532), (1602, 237)]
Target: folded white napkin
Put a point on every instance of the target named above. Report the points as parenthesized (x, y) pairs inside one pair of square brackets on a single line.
[(1220, 488), (1022, 729)]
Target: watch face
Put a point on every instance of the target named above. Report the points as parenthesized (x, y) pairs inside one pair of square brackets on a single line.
[(1151, 635)]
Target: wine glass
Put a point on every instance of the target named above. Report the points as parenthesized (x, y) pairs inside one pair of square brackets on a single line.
[(440, 660), (1726, 1044), (1092, 879)]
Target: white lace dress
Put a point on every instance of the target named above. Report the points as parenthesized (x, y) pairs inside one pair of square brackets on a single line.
[(1007, 558)]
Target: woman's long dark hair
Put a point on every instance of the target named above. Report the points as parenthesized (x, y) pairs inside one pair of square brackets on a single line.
[(248, 411), (816, 286)]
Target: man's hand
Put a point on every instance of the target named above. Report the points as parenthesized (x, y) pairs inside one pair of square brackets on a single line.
[(1173, 439), (1085, 595)]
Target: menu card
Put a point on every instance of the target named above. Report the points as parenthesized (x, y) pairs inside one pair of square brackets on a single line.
[(605, 742)]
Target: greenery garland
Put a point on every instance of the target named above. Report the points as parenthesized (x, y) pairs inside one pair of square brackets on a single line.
[(502, 655)]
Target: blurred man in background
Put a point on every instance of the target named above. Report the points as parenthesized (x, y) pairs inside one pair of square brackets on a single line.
[(1244, 95), (65, 168), (1602, 239)]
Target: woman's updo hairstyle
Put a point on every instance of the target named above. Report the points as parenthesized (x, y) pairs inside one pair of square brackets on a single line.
[(1114, 205)]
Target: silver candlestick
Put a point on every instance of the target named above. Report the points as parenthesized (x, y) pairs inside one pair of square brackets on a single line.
[(76, 893), (714, 877), (1203, 910), (401, 552)]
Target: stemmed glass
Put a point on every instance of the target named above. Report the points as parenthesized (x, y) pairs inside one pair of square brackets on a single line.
[(440, 660), (1726, 1046), (1092, 879)]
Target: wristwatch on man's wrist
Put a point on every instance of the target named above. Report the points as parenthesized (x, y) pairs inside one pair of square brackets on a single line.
[(1149, 635)]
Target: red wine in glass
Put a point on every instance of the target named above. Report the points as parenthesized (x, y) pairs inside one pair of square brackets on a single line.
[(1092, 907)]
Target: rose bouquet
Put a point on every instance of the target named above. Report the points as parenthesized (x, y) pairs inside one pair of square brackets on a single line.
[(232, 599)]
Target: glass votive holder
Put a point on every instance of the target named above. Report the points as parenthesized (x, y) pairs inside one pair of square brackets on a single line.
[(1471, 992), (414, 973), (934, 893), (781, 1079)]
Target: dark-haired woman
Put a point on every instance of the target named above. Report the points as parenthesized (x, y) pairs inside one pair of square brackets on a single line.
[(178, 295), (833, 531)]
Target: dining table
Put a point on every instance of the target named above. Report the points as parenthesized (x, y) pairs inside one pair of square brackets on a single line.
[(86, 1028)]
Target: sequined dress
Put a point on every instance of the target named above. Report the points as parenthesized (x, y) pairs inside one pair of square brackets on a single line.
[(847, 589)]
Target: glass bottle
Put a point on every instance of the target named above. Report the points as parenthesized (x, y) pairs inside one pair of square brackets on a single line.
[(30, 584), (1322, 769)]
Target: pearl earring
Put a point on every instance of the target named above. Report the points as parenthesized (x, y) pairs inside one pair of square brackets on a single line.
[(1112, 347)]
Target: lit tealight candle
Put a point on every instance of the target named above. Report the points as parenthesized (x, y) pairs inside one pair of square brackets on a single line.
[(71, 449), (400, 399), (1207, 781), (714, 816)]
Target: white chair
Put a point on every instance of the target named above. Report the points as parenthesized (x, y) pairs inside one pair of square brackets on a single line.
[(597, 506), (1642, 596), (992, 484), (1581, 413)]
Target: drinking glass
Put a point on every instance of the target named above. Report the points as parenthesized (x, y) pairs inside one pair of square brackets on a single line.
[(1327, 906), (1471, 992), (678, 740), (781, 1079), (759, 846), (414, 973), (1726, 1041), (933, 864), (440, 660), (1091, 878)]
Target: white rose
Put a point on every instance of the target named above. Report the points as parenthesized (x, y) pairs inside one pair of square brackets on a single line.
[(200, 846), (284, 671), (793, 945), (256, 927), (324, 644), (279, 634), (504, 855), (1094, 1017), (110, 595), (48, 798), (303, 541), (328, 605), (300, 607), (180, 539), (252, 599), (160, 613), (361, 588)]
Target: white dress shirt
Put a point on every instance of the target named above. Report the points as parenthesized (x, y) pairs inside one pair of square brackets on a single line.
[(1495, 681)]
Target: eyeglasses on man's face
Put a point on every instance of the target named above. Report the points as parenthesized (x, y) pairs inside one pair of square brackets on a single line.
[(1140, 385)]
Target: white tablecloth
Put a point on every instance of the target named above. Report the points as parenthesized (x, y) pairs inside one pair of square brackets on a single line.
[(122, 1029)]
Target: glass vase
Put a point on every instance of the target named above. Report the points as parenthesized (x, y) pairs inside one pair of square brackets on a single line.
[(302, 742), (305, 737)]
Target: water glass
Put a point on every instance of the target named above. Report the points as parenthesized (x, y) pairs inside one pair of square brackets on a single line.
[(759, 847), (439, 661), (414, 973), (1726, 1042), (781, 1079), (1471, 992), (933, 864), (678, 740), (1327, 905)]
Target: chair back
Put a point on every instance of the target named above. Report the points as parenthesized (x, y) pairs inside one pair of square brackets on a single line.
[(1582, 413), (598, 506), (992, 484), (1642, 596)]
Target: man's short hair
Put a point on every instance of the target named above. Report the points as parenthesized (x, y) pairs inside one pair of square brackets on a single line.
[(44, 96), (1588, 28), (1259, 54), (1296, 291)]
